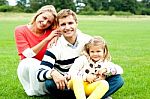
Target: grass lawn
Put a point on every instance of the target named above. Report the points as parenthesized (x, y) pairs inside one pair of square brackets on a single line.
[(128, 42)]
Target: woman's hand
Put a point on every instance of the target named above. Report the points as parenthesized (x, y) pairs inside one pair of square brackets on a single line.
[(53, 37)]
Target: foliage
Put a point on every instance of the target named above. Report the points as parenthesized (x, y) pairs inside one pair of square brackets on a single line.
[(5, 8), (93, 6), (59, 4), (88, 10), (111, 10), (3, 2), (122, 13), (145, 11)]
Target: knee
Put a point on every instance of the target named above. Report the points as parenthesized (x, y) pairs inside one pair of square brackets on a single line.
[(116, 80), (50, 85), (119, 81), (105, 84)]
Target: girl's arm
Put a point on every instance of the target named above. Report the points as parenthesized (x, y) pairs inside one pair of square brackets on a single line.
[(109, 68), (113, 69)]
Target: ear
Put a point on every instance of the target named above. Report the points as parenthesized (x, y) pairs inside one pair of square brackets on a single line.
[(76, 23), (105, 53)]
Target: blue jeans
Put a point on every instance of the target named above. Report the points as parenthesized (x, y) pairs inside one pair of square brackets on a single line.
[(115, 83), (58, 94)]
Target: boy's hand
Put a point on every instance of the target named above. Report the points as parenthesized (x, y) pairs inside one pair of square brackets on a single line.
[(59, 80)]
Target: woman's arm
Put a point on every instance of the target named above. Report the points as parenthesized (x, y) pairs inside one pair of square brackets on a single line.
[(40, 45)]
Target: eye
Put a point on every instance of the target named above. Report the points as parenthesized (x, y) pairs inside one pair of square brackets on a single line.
[(92, 51), (98, 51), (44, 17), (63, 24), (70, 23)]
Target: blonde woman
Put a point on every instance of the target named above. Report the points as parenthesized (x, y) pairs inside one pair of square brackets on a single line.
[(32, 41)]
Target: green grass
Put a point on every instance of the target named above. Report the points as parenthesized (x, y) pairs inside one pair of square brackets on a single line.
[(128, 42)]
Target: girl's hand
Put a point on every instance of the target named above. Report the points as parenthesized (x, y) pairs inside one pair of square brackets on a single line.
[(100, 77), (101, 71), (90, 78)]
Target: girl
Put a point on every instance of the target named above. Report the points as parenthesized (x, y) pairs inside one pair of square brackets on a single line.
[(89, 71)]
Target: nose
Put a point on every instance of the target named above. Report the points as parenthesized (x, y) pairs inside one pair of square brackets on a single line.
[(94, 53), (44, 22), (67, 26)]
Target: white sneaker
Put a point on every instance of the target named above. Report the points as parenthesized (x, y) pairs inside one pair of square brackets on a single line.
[(108, 97)]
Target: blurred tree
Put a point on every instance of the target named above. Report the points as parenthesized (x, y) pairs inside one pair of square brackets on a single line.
[(129, 5), (95, 4), (3, 2), (59, 4), (146, 3), (21, 3), (124, 5)]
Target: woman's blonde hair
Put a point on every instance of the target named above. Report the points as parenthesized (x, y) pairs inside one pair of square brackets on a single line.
[(97, 41), (47, 8), (66, 12)]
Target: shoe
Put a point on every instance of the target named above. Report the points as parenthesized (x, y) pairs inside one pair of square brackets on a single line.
[(108, 97)]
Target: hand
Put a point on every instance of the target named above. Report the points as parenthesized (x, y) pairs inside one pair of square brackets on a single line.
[(53, 34), (90, 78), (100, 77), (53, 41), (53, 37), (101, 71), (59, 80), (68, 77)]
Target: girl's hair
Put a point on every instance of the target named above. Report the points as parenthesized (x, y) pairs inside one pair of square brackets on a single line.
[(50, 9), (65, 13), (97, 41)]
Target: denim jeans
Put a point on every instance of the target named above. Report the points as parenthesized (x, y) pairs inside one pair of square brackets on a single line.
[(115, 83), (58, 94)]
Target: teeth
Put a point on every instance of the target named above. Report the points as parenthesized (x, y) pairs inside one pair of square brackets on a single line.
[(68, 31)]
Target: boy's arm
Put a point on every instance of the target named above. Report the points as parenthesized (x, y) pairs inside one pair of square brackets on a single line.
[(46, 66)]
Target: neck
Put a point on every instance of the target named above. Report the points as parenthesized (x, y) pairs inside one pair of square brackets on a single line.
[(72, 40), (36, 31)]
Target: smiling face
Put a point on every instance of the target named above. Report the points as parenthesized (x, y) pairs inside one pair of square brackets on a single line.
[(68, 26), (44, 20), (96, 53)]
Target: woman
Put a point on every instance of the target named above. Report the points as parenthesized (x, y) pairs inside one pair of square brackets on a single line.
[(32, 41)]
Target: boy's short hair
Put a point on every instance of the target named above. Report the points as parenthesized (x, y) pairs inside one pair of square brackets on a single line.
[(66, 12)]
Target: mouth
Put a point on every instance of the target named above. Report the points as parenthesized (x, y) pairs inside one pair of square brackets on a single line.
[(41, 25), (68, 31)]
